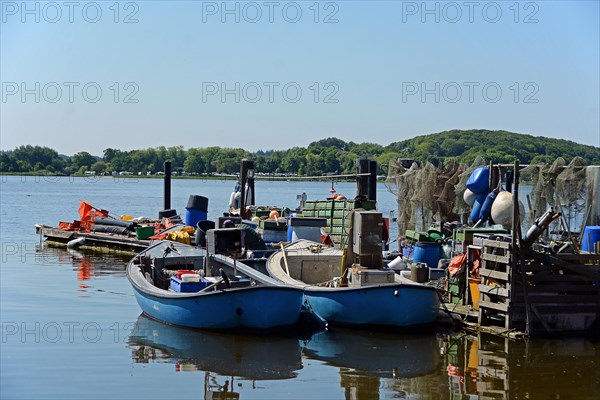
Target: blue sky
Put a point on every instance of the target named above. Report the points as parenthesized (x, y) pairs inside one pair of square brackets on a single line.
[(85, 76)]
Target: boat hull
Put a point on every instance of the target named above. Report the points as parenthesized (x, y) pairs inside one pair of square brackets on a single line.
[(246, 308), (398, 305), (386, 305)]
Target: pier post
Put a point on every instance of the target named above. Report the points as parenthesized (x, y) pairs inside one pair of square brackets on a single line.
[(246, 179), (373, 180), (167, 186), (362, 182)]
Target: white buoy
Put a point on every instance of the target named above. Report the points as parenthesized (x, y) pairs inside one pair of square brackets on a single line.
[(75, 243), (502, 209), (469, 197)]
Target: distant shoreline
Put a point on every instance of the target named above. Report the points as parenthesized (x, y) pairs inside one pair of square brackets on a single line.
[(203, 177)]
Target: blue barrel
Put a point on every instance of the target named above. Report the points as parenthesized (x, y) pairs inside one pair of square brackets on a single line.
[(591, 237), (193, 216), (428, 253)]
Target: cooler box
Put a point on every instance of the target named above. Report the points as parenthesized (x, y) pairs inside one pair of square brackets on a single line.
[(178, 285)]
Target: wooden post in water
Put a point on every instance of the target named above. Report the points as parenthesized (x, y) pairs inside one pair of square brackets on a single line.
[(362, 182), (246, 178), (167, 186), (373, 180)]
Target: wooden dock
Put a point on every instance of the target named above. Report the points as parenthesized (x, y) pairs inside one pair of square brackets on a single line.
[(96, 241)]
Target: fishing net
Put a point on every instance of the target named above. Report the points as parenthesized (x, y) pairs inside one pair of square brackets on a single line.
[(448, 178), (423, 194), (427, 194), (560, 186), (542, 178)]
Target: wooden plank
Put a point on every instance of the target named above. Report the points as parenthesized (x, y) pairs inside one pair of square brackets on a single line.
[(495, 306), (578, 257), (57, 233), (490, 273), (496, 258), (570, 278), (552, 298), (557, 308), (496, 243), (494, 290), (560, 288), (593, 272)]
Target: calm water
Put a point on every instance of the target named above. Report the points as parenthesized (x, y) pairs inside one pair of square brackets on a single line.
[(71, 327)]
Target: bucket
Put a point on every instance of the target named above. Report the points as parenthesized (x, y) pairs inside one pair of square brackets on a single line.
[(144, 232), (193, 216), (428, 253), (591, 239), (419, 273), (201, 228)]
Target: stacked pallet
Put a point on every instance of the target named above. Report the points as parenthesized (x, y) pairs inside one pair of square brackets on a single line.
[(542, 293)]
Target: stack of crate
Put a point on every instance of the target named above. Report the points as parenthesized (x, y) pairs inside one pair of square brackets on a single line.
[(497, 279), (337, 213)]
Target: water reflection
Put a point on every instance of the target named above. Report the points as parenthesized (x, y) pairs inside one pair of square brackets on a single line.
[(493, 367), (249, 357), (370, 363), (88, 264)]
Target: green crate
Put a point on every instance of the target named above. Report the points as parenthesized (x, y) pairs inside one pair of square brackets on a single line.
[(414, 236), (338, 229), (466, 234), (324, 205), (339, 213), (341, 204), (367, 205), (456, 288), (271, 225)]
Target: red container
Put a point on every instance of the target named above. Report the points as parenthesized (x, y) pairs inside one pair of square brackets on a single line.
[(183, 272)]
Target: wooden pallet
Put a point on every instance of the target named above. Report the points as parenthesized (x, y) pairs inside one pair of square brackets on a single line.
[(543, 293)]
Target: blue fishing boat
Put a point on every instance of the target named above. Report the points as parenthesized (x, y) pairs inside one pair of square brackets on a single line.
[(169, 286), (383, 299)]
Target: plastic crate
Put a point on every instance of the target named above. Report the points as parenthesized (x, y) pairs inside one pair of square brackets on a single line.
[(178, 285)]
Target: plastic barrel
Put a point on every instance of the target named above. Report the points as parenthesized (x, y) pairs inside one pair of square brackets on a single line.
[(428, 253), (591, 239), (193, 216), (197, 202)]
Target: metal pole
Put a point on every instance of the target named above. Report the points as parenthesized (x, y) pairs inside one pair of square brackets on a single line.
[(167, 186)]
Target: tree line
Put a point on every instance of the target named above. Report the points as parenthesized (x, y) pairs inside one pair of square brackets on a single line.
[(320, 157)]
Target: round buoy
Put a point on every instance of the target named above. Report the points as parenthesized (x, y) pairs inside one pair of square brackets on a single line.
[(469, 197), (274, 214), (502, 209)]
